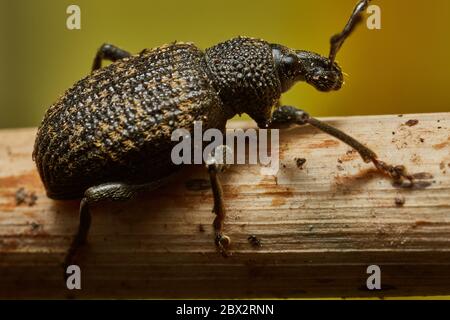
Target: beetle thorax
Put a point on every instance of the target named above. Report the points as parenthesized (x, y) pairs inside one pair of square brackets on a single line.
[(243, 72)]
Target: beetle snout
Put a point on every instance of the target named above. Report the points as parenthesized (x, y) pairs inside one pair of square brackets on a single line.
[(325, 79), (337, 79)]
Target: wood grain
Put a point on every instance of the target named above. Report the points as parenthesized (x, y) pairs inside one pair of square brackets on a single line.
[(319, 226)]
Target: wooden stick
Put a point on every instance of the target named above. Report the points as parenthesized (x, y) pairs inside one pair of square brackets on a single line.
[(320, 225)]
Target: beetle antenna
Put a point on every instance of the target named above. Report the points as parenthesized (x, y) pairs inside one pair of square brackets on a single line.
[(337, 40)]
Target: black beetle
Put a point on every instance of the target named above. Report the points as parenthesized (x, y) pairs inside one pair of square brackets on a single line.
[(109, 136)]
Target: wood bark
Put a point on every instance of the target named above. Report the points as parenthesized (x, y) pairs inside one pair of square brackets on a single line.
[(320, 225)]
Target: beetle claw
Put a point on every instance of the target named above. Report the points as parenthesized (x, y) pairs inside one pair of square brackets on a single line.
[(398, 173), (222, 242)]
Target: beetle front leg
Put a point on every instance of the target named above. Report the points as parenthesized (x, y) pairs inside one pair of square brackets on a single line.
[(108, 52), (286, 115)]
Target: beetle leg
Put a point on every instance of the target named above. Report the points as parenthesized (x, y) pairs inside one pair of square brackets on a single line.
[(222, 241), (216, 163), (286, 115), (104, 192), (108, 52)]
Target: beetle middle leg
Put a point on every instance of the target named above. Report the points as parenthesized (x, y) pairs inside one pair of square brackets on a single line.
[(222, 241), (286, 115), (105, 192), (108, 52), (216, 164)]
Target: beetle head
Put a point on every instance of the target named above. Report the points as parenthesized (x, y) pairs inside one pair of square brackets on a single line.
[(299, 65)]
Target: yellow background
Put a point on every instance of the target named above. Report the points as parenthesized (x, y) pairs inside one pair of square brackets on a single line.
[(402, 68)]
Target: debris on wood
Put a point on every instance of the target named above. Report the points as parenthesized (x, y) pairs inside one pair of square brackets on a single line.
[(412, 122), (300, 162), (25, 197), (399, 201), (254, 241)]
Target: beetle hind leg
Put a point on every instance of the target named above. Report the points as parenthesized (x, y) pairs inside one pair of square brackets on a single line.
[(104, 192)]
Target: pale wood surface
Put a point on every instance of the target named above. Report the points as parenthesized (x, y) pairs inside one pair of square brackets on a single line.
[(320, 226)]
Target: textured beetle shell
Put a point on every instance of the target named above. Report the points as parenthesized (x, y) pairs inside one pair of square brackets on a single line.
[(116, 124)]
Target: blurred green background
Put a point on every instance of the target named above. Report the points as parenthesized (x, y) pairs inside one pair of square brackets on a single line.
[(402, 68)]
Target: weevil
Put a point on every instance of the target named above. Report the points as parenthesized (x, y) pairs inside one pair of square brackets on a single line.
[(108, 137)]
